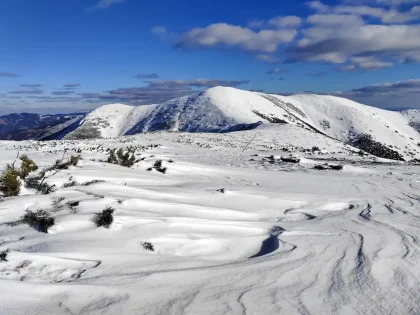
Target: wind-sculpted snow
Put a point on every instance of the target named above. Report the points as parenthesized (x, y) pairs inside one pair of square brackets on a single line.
[(235, 228)]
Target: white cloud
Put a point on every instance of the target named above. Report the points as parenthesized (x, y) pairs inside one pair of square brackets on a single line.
[(391, 2), (366, 63), (358, 36), (105, 4), (335, 20), (267, 58), (407, 86), (336, 43), (230, 35), (318, 6), (286, 21), (390, 16), (386, 15)]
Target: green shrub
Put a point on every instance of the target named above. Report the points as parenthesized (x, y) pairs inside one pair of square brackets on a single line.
[(3, 255), (60, 165), (38, 182), (27, 166), (148, 246), (74, 160), (44, 188), (104, 218), (71, 184), (72, 204), (158, 167), (366, 143), (57, 205), (9, 182), (91, 182), (33, 182), (88, 131), (40, 220), (122, 157)]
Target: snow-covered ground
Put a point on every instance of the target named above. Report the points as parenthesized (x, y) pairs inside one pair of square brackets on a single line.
[(235, 229)]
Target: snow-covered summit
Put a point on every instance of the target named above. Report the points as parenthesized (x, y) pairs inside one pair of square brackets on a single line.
[(224, 109)]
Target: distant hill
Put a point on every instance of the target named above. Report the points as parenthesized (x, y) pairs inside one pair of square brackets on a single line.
[(28, 126)]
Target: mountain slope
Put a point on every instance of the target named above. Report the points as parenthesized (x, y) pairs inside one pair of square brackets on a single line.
[(28, 126), (413, 116), (345, 120), (109, 121), (216, 110), (223, 109)]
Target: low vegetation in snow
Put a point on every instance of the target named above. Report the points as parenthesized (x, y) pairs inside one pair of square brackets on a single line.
[(124, 157), (234, 212), (9, 182), (104, 218), (40, 220)]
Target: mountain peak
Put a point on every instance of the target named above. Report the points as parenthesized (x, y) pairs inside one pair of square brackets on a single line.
[(226, 109)]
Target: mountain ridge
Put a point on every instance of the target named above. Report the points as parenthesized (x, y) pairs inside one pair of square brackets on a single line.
[(32, 126), (225, 109)]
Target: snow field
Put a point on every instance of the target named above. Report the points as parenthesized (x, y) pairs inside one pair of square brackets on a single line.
[(230, 235)]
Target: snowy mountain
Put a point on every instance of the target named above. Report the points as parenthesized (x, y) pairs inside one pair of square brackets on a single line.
[(110, 121), (223, 109), (413, 116), (288, 210)]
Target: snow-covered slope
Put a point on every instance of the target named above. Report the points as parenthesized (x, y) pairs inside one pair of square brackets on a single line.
[(218, 109), (413, 116), (344, 119), (29, 126), (109, 121), (223, 109)]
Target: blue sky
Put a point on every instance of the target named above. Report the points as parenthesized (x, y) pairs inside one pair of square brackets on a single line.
[(59, 56)]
